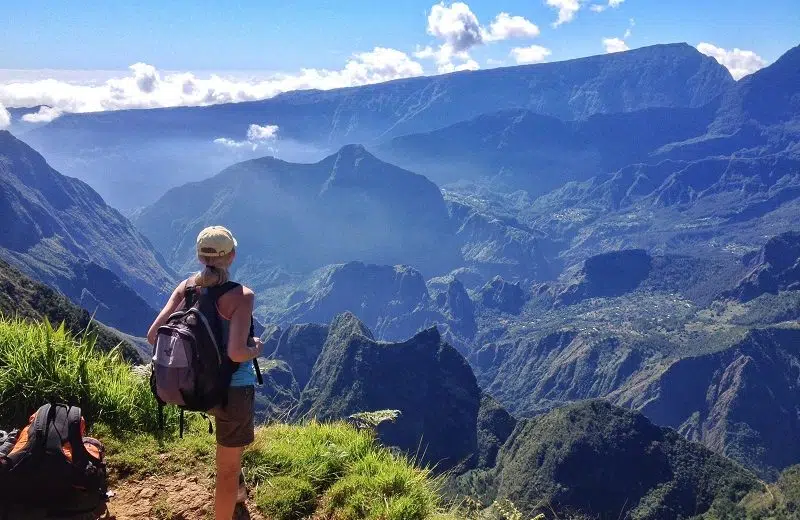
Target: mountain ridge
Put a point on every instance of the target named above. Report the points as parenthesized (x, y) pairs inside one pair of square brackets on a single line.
[(62, 232)]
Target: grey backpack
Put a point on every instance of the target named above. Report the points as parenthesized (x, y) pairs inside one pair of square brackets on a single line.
[(191, 368)]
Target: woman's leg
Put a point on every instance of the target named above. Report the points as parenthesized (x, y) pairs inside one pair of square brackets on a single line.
[(229, 466)]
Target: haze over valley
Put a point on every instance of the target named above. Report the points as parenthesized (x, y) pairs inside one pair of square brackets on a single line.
[(577, 280)]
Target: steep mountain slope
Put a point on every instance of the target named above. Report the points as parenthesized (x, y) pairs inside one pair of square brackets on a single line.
[(392, 300), (60, 231), (493, 244), (776, 268), (741, 402), (521, 149), (395, 302), (713, 206), (426, 379), (651, 333), (176, 144), (599, 460), (759, 115), (27, 299), (349, 206)]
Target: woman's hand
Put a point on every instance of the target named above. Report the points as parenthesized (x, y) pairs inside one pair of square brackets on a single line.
[(256, 345)]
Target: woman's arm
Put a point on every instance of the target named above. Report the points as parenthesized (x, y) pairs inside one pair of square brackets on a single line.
[(172, 305), (239, 334)]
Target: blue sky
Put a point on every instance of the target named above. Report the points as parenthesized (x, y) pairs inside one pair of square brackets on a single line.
[(85, 56), (288, 35)]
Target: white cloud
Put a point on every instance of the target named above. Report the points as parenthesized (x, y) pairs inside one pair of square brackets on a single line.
[(470, 64), (456, 25), (566, 10), (459, 30), (505, 27), (615, 45), (262, 133), (599, 8), (44, 115), (5, 118), (532, 54), (257, 136), (739, 62), (619, 44), (231, 143), (146, 87)]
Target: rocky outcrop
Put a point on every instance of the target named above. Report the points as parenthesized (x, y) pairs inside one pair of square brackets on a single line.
[(299, 346), (776, 268), (503, 296), (426, 379), (458, 308), (608, 275)]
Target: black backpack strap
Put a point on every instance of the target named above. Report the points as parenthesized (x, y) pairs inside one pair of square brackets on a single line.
[(80, 458), (189, 293), (57, 429), (218, 290)]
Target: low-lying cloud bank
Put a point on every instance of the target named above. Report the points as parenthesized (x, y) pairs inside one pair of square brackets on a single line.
[(146, 87)]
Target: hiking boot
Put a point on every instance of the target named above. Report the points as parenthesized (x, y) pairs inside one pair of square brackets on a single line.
[(241, 496)]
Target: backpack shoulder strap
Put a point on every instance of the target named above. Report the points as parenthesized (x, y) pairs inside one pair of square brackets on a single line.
[(75, 436), (190, 291), (217, 291)]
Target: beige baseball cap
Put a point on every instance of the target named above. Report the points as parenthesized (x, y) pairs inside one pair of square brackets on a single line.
[(215, 241)]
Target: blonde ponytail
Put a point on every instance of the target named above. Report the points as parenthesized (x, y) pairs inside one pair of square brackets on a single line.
[(215, 272)]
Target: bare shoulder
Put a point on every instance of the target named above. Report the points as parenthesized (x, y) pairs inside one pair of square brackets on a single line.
[(177, 293), (240, 297)]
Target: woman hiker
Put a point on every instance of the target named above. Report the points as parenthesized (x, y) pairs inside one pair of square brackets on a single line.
[(216, 251)]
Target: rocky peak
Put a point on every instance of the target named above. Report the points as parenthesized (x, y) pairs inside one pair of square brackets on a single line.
[(777, 268), (426, 379), (503, 296), (459, 308)]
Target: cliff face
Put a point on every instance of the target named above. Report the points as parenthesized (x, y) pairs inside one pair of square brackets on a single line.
[(742, 402), (426, 379), (776, 268)]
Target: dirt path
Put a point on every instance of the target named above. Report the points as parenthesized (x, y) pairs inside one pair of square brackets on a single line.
[(178, 498), (181, 497)]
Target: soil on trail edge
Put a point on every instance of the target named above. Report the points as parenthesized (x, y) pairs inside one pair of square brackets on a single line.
[(178, 497)]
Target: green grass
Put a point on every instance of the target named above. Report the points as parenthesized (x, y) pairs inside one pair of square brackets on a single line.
[(329, 469), (350, 474), (39, 363)]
